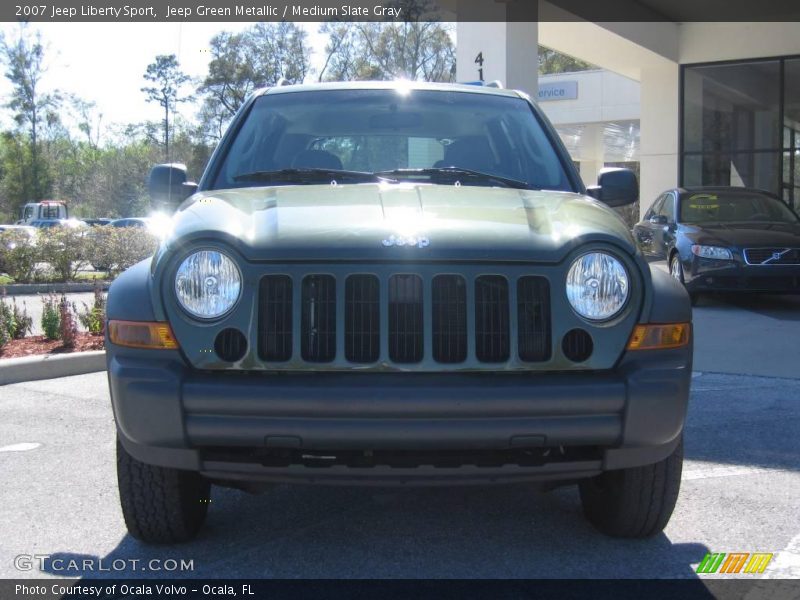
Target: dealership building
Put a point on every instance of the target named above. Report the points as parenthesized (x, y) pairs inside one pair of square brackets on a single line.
[(689, 102), (596, 113)]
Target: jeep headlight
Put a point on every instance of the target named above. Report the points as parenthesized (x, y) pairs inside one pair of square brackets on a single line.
[(597, 286), (208, 284)]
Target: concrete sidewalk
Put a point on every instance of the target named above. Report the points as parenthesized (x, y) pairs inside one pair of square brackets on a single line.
[(753, 335), (747, 334)]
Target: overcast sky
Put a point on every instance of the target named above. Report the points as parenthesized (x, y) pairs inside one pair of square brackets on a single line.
[(104, 62)]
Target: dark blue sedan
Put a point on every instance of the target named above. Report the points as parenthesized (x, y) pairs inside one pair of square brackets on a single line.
[(724, 239)]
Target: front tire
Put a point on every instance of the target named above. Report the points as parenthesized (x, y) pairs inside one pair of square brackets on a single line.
[(160, 505), (635, 502), (676, 270)]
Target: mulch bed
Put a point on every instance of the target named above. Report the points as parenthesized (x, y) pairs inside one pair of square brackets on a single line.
[(38, 344)]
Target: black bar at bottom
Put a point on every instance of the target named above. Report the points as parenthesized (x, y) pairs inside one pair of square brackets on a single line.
[(433, 589)]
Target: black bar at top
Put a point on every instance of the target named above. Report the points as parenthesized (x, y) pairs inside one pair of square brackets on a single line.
[(149, 11)]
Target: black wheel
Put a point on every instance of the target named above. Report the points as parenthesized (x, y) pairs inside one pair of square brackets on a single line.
[(636, 502), (676, 270), (160, 505)]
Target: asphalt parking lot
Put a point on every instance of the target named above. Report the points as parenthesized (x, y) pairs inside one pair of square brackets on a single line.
[(740, 487)]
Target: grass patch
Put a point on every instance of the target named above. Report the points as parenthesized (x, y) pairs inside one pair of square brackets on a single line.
[(90, 275), (6, 280), (80, 277)]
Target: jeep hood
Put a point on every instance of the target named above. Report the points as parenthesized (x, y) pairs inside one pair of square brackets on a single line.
[(405, 221)]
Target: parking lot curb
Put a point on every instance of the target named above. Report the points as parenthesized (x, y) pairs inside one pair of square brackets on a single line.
[(51, 366), (18, 289)]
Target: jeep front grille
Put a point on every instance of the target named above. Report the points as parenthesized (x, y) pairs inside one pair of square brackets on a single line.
[(404, 319), (275, 323), (449, 300), (533, 318), (362, 318), (491, 318), (318, 319)]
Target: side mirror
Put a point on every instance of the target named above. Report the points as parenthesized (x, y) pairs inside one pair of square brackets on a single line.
[(168, 186), (659, 220), (615, 187)]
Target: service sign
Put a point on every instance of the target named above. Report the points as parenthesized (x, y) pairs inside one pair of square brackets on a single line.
[(561, 90)]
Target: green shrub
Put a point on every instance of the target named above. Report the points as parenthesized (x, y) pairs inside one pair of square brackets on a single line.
[(15, 321), (23, 320), (101, 247), (7, 321), (67, 249), (133, 244), (93, 318), (114, 249), (64, 249), (51, 318), (19, 253), (4, 337)]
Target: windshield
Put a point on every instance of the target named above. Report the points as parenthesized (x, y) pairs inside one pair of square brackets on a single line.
[(420, 135), (721, 207)]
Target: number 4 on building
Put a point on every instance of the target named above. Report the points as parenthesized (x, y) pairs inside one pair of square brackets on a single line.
[(479, 62)]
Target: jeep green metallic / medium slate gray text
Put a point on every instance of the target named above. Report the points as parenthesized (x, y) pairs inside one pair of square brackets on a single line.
[(396, 284)]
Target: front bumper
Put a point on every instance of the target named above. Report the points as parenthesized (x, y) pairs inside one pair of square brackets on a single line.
[(306, 427), (706, 275)]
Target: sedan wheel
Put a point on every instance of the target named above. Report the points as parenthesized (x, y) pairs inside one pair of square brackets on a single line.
[(676, 270)]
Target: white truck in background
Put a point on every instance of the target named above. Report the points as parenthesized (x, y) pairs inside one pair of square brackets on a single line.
[(44, 210)]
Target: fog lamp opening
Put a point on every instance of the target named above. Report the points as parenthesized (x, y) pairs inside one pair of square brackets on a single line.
[(659, 336), (142, 334)]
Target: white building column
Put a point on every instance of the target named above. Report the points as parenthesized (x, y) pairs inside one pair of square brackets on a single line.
[(659, 126), (592, 153), (509, 49)]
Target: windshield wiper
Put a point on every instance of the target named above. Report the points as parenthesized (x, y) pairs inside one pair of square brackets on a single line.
[(310, 175), (457, 174)]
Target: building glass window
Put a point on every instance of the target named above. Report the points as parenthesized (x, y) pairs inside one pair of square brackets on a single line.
[(790, 182), (741, 126)]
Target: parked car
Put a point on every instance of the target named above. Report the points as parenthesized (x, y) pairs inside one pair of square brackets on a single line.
[(396, 284), (724, 239), (45, 223), (97, 222), (131, 222)]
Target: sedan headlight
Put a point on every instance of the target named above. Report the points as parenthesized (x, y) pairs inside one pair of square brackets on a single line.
[(208, 284), (712, 252), (597, 286)]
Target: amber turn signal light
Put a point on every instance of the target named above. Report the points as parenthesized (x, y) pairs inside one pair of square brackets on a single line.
[(653, 337), (137, 334)]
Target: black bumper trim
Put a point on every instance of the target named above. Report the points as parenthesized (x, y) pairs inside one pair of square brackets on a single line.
[(389, 476), (167, 413)]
